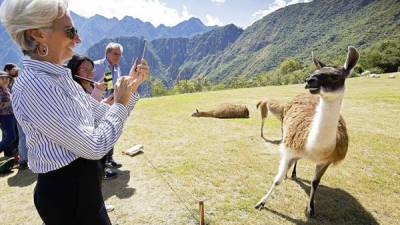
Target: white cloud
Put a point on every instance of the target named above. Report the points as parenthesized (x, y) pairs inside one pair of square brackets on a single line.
[(218, 1), (211, 20), (277, 4), (152, 11)]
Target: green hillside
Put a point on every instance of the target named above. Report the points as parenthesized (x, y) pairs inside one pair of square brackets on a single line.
[(326, 27), (228, 164)]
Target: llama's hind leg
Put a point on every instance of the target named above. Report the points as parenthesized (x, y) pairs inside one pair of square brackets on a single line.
[(283, 168), (262, 127), (319, 172), (291, 162)]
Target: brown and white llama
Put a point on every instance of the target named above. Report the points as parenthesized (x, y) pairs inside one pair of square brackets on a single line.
[(313, 127), (225, 111)]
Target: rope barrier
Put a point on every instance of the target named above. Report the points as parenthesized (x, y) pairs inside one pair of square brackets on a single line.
[(182, 202)]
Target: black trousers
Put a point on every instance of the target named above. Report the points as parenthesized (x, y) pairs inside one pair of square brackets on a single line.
[(109, 155), (71, 195)]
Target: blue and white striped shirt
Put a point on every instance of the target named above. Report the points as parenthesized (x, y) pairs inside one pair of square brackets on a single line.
[(60, 120)]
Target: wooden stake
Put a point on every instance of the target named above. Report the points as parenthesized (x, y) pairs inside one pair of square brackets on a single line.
[(201, 211)]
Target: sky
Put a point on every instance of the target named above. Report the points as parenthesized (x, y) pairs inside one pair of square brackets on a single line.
[(171, 12)]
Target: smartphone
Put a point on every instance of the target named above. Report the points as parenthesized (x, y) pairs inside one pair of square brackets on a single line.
[(141, 56)]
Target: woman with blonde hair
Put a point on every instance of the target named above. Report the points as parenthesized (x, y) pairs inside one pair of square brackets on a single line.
[(67, 130)]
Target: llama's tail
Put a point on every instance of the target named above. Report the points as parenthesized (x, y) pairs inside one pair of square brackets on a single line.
[(258, 103), (262, 106)]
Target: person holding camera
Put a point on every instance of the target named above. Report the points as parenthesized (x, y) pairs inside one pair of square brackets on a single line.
[(67, 130)]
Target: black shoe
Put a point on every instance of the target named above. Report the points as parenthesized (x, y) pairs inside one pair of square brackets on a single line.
[(109, 174), (112, 164)]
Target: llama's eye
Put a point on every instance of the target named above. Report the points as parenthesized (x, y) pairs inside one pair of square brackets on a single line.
[(335, 77)]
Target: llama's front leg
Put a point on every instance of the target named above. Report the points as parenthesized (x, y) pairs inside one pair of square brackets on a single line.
[(283, 168), (319, 171)]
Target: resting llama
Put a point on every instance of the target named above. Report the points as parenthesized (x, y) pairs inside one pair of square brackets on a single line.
[(313, 127), (225, 111)]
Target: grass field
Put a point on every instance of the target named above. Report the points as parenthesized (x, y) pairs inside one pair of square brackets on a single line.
[(227, 164)]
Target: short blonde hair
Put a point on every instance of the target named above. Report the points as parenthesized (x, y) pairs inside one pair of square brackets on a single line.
[(19, 16), (113, 45)]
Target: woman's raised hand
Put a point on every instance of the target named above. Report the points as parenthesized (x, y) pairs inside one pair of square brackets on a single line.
[(139, 73), (128, 84), (123, 90)]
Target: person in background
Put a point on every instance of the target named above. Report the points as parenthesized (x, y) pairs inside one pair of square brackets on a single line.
[(108, 70), (82, 70), (67, 130), (8, 124), (12, 70)]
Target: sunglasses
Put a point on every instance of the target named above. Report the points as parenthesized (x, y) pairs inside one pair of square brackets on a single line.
[(71, 32)]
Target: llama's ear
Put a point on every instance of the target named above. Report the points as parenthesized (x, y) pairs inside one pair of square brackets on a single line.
[(197, 110), (317, 63), (352, 59)]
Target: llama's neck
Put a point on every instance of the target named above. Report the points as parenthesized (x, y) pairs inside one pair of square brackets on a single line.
[(324, 126)]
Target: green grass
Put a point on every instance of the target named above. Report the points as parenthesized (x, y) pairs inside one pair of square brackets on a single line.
[(226, 163)]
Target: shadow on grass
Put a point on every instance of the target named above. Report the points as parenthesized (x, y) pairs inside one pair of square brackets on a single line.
[(332, 206), (274, 142), (22, 178), (118, 186)]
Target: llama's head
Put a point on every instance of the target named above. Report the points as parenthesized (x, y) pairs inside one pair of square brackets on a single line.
[(328, 81), (196, 114)]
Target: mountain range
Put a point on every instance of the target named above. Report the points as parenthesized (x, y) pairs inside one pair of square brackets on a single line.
[(172, 59), (326, 27), (220, 54), (96, 28)]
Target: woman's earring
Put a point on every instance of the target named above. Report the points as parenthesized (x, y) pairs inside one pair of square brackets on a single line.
[(43, 52)]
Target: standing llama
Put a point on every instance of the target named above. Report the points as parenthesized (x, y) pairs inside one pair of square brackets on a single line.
[(276, 108), (313, 127)]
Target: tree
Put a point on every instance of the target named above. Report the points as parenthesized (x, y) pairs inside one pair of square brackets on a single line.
[(158, 88), (383, 56), (289, 65)]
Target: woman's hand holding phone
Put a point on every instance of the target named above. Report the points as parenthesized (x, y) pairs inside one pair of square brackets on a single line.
[(139, 73)]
